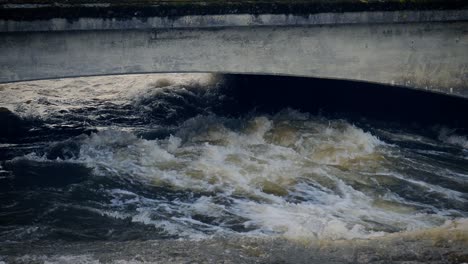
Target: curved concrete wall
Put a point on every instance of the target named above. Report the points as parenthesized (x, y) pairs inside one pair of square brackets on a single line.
[(429, 55)]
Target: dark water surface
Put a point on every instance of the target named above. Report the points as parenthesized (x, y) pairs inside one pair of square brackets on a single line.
[(197, 167)]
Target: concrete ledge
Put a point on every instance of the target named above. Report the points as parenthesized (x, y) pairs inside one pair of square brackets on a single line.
[(23, 10), (239, 20), (419, 44), (428, 56)]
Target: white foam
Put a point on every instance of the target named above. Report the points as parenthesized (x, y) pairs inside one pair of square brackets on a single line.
[(288, 174), (58, 259), (268, 160), (39, 99), (449, 136)]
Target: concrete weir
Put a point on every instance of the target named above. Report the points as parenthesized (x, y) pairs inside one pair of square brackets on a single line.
[(415, 44)]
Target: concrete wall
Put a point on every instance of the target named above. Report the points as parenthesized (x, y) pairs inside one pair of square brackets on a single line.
[(230, 20), (425, 55)]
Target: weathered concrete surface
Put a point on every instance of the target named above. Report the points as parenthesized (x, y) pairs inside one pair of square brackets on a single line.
[(73, 9), (420, 44), (52, 15), (430, 56), (233, 20)]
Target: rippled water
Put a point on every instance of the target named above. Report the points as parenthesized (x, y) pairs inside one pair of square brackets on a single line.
[(134, 158)]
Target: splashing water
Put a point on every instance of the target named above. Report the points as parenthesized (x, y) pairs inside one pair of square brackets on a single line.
[(209, 174)]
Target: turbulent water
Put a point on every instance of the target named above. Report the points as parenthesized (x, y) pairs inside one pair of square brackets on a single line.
[(164, 157)]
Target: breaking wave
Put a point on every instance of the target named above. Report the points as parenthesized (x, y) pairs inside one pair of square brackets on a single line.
[(288, 174), (173, 158)]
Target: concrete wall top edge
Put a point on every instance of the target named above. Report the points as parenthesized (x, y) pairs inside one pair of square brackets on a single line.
[(234, 20), (23, 10)]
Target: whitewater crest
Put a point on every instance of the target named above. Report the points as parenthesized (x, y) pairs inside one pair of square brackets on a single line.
[(173, 158), (449, 136), (288, 174)]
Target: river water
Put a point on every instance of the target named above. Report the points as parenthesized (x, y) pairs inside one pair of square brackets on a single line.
[(179, 168)]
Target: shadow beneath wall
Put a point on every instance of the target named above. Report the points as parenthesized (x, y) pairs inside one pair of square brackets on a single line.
[(348, 99)]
